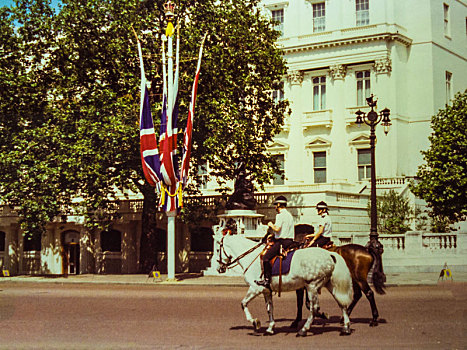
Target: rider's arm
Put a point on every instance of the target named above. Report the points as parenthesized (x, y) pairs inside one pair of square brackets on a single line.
[(274, 227), (316, 235)]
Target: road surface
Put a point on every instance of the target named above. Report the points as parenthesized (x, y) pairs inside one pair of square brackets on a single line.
[(96, 316)]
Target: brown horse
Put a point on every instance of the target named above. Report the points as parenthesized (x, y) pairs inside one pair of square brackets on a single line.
[(359, 261)]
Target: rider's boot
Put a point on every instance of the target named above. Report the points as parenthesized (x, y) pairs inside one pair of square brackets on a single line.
[(266, 282)]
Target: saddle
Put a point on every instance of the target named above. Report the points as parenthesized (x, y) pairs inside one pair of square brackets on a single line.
[(280, 264)]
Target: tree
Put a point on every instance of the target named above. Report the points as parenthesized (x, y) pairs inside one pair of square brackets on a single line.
[(442, 180), (394, 213), (81, 111), (29, 163)]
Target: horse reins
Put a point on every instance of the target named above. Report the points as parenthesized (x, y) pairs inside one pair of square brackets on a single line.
[(235, 262)]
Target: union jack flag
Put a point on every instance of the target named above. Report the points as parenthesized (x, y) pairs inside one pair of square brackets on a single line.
[(160, 166), (169, 159), (148, 142), (168, 144)]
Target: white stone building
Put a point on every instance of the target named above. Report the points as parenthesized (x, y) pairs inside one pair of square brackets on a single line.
[(412, 55)]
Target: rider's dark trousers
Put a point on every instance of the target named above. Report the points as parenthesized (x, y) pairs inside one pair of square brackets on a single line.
[(273, 251)]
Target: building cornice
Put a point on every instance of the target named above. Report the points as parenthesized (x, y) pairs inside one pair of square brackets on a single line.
[(276, 5), (396, 37)]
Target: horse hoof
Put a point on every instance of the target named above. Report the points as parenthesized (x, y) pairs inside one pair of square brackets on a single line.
[(373, 323), (294, 324), (269, 332), (256, 324), (301, 333), (345, 331)]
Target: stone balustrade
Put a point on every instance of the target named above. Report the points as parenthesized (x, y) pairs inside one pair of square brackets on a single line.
[(416, 250)]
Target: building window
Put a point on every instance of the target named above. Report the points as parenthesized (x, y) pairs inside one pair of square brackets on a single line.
[(111, 241), (362, 12), (448, 88), (364, 164), (319, 93), (32, 243), (279, 177), (201, 239), (2, 241), (319, 23), (278, 95), (447, 31), (278, 18), (363, 86), (319, 167), (203, 176)]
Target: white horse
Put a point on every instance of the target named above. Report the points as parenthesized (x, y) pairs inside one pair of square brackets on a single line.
[(311, 268)]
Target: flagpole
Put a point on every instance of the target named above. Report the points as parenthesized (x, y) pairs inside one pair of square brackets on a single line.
[(171, 214), (158, 160)]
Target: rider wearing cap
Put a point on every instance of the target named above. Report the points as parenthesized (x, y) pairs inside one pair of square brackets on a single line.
[(323, 236), (283, 230)]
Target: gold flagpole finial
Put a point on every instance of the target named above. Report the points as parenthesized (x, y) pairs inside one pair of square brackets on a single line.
[(169, 8)]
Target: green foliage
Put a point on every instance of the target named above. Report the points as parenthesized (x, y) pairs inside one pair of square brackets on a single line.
[(426, 221), (29, 163), (394, 213), (69, 98), (442, 180)]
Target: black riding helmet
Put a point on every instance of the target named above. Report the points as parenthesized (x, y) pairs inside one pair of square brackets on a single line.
[(322, 205), (281, 200)]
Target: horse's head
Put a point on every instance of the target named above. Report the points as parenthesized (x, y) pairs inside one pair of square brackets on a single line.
[(224, 258)]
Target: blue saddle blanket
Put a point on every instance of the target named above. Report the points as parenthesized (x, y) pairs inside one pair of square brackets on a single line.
[(285, 264)]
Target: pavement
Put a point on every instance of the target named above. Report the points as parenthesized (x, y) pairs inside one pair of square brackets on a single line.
[(198, 279)]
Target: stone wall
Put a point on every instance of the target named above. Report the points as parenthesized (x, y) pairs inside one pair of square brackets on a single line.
[(418, 251)]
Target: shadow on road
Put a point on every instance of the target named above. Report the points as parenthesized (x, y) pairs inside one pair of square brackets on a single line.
[(319, 326)]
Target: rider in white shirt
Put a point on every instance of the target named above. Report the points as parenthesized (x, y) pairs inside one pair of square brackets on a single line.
[(324, 234), (283, 230)]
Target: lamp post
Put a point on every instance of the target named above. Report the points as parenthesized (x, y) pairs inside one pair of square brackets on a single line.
[(372, 118)]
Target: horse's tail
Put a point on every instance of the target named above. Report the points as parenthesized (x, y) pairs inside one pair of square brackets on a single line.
[(378, 278), (341, 281)]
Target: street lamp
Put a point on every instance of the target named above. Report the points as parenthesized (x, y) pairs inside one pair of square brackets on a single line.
[(372, 119)]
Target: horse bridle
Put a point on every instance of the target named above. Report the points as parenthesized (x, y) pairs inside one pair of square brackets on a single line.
[(223, 266)]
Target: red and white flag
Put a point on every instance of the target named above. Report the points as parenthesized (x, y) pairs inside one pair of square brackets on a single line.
[(189, 124)]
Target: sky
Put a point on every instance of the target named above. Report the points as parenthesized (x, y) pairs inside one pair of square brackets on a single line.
[(12, 2)]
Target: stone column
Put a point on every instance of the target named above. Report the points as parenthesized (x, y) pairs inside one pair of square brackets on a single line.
[(339, 152), (50, 253), (12, 251), (296, 153), (87, 252), (384, 89)]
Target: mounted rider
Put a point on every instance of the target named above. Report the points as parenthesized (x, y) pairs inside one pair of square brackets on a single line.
[(323, 236), (282, 238)]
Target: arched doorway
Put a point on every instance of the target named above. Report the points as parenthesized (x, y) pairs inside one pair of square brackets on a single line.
[(71, 254)]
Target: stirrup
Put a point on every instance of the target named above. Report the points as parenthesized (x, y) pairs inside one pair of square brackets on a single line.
[(264, 283)]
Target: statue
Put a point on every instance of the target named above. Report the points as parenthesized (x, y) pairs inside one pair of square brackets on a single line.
[(242, 198)]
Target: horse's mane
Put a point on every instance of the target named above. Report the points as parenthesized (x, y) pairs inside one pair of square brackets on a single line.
[(241, 240)]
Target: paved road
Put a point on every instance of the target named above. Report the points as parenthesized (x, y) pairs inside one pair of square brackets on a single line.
[(97, 316)]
